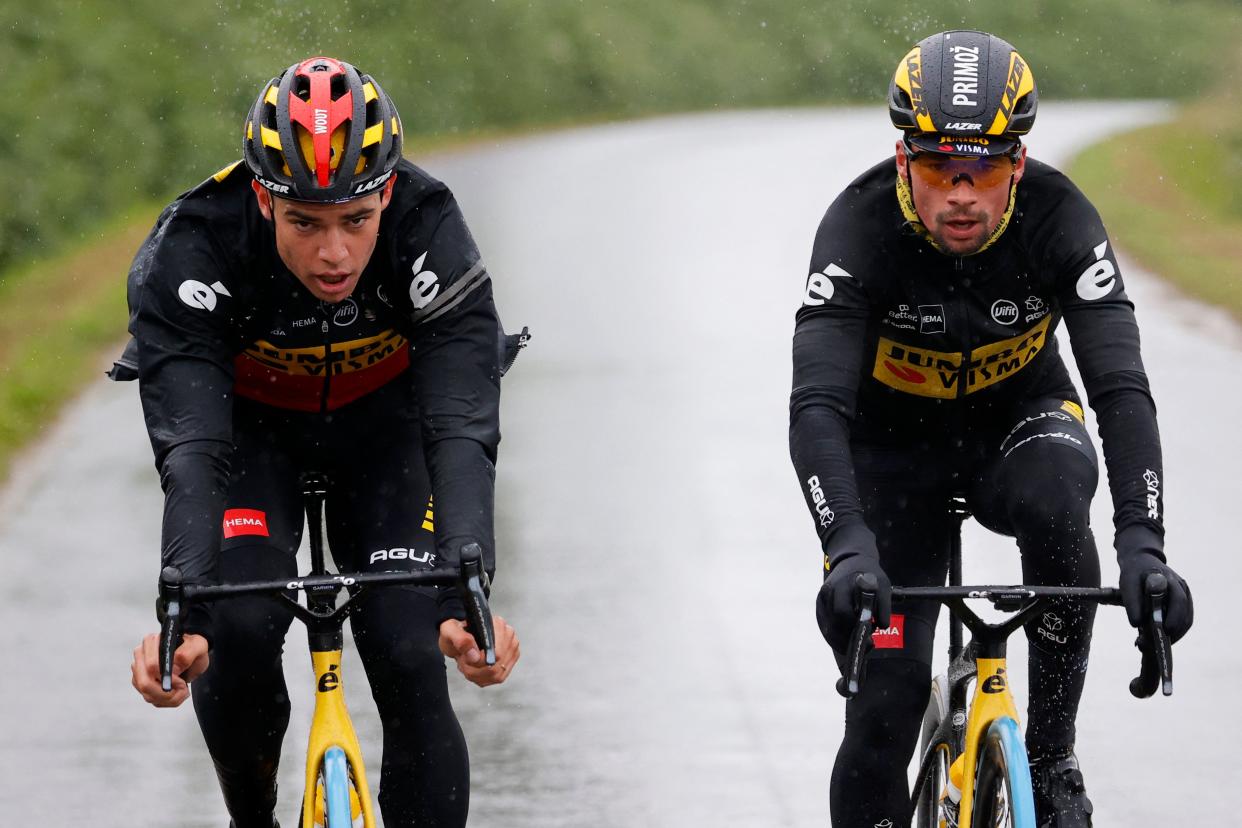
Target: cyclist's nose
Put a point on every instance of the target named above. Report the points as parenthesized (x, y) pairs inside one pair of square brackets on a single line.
[(963, 191), (332, 248)]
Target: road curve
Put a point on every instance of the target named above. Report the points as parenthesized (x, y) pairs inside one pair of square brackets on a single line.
[(655, 553)]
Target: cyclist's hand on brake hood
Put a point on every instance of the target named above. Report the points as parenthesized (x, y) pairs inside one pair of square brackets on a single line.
[(837, 610), (457, 643), (1179, 607), (189, 662)]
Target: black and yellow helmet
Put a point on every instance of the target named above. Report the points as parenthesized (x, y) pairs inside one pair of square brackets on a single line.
[(322, 131), (964, 92)]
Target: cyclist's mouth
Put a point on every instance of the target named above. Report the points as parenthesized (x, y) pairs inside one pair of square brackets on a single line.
[(334, 283), (961, 228)]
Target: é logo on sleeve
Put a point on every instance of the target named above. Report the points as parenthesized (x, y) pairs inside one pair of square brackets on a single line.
[(426, 285), (819, 287), (1097, 281)]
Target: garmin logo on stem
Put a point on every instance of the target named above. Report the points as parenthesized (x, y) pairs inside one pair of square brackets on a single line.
[(826, 515)]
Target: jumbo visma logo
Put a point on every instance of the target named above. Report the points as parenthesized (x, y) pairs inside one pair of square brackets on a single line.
[(928, 373)]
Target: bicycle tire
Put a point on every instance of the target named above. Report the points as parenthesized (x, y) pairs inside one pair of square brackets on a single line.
[(927, 805), (1003, 794), (336, 789)]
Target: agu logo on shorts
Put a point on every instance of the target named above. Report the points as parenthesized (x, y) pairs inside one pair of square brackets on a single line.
[(892, 637), (245, 522)]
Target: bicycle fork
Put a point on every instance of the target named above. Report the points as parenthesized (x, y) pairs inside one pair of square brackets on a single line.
[(332, 727)]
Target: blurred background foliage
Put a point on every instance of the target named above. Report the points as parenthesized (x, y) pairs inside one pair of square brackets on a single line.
[(112, 106)]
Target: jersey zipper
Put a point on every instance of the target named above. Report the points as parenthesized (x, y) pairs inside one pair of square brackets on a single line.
[(327, 367)]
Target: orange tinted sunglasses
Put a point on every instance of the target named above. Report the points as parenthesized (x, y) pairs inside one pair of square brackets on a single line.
[(944, 172)]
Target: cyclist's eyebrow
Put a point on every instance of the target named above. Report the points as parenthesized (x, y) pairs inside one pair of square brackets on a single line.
[(295, 214)]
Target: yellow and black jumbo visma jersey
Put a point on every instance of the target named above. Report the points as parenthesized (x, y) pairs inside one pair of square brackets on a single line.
[(901, 344)]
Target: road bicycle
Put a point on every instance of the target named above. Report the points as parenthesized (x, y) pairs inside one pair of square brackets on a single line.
[(336, 793), (976, 748)]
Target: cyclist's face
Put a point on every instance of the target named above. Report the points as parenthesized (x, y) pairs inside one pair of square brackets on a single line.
[(326, 246), (959, 199)]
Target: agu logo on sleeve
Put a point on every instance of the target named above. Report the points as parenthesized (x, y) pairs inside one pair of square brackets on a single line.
[(245, 522)]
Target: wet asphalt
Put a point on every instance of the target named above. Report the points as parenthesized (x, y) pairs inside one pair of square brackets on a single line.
[(655, 554)]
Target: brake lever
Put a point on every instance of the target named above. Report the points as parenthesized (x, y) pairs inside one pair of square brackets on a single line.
[(474, 584), (1153, 642), (865, 588), (168, 611)]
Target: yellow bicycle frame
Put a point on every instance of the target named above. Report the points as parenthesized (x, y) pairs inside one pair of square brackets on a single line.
[(991, 700), (332, 726)]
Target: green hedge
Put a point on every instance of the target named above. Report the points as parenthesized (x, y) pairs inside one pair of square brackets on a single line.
[(108, 108)]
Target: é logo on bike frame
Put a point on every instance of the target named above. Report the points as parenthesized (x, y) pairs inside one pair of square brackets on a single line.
[(995, 683), (329, 680)]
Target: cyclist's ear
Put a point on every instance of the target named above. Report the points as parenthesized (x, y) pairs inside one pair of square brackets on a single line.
[(386, 194), (264, 198), (903, 160), (1019, 166)]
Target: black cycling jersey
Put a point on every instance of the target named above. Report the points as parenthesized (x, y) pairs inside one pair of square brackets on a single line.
[(898, 343), (215, 313)]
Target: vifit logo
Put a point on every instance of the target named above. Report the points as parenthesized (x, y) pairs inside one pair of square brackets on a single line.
[(826, 515), (1153, 494), (245, 522), (892, 637)]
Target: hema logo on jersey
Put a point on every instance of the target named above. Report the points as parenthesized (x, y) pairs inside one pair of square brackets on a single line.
[(892, 637), (245, 522)]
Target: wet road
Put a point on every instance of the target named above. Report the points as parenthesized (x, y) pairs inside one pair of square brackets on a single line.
[(655, 553)]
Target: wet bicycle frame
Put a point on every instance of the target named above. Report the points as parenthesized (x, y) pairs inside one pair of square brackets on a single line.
[(985, 731), (333, 753)]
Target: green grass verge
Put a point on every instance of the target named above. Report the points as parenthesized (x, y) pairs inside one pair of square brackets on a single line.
[(59, 317), (1169, 195)]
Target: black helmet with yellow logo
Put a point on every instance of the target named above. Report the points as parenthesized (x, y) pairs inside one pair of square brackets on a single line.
[(322, 131), (963, 92)]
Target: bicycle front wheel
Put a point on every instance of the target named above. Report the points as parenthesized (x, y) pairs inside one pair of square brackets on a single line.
[(339, 799), (934, 766), (1003, 796)]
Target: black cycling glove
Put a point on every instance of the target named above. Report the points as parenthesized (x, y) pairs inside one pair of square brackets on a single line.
[(836, 608), (1179, 607)]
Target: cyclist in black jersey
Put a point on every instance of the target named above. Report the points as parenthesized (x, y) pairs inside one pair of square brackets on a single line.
[(321, 306), (926, 367)]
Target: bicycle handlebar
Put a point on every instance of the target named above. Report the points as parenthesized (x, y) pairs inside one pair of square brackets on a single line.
[(1153, 642), (469, 577)]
